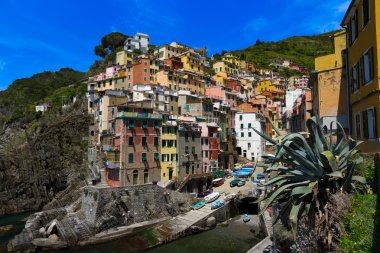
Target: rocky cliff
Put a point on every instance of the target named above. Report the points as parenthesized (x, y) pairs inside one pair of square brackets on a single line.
[(43, 163)]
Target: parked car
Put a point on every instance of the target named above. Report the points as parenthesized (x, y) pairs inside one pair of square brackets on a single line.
[(234, 183)]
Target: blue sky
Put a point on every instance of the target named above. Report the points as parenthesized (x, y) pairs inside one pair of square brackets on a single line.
[(39, 35)]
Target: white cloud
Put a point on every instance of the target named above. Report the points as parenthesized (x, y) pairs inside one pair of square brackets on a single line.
[(343, 7), (256, 25), (2, 64)]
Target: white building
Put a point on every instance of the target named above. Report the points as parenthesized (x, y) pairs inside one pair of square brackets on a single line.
[(139, 41), (42, 107), (250, 144)]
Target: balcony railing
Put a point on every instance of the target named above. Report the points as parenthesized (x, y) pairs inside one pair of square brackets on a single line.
[(139, 115), (189, 127)]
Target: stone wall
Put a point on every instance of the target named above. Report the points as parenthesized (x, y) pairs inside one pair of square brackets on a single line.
[(126, 205)]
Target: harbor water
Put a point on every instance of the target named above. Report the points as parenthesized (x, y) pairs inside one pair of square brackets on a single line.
[(232, 236)]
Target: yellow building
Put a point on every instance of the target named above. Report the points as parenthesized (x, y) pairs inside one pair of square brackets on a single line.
[(221, 78), (329, 84), (124, 57), (192, 61), (265, 85), (226, 67), (362, 21), (169, 156), (230, 58)]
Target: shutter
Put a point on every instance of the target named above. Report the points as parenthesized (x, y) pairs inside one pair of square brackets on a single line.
[(349, 33), (352, 79), (371, 63), (361, 71), (356, 24), (365, 124), (375, 122)]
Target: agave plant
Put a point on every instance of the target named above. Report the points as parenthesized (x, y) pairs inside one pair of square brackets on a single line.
[(309, 170)]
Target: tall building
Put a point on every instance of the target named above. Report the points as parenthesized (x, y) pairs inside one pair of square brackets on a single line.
[(362, 21), (139, 41), (329, 85), (249, 143)]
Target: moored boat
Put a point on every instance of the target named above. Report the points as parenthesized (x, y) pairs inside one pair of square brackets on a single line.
[(230, 196), (218, 182), (217, 204), (241, 183), (204, 194), (198, 205), (246, 218), (212, 197)]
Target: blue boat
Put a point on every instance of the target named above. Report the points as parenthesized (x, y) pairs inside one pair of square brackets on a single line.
[(217, 204), (246, 218), (244, 172), (198, 205)]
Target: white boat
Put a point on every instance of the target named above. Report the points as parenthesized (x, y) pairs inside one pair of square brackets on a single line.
[(230, 196), (211, 197)]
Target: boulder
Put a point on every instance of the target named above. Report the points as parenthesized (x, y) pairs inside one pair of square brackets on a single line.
[(52, 225), (211, 222), (6, 229), (46, 243), (53, 237)]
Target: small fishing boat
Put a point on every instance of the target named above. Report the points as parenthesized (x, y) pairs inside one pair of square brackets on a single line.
[(246, 218), (217, 204), (211, 197), (217, 182), (198, 205), (204, 194), (241, 183), (230, 196)]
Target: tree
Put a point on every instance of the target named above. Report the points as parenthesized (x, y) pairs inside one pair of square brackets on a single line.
[(113, 40), (100, 51)]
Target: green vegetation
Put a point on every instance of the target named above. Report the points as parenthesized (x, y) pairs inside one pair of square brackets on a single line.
[(313, 173), (19, 99), (359, 224), (149, 235), (300, 50)]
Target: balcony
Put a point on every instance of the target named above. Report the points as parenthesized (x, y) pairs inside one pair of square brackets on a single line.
[(189, 127), (137, 115), (113, 164), (108, 132)]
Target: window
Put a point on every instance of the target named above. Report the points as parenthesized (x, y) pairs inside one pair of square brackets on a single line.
[(357, 125), (130, 141), (366, 13), (156, 141), (249, 125), (173, 157), (146, 176), (144, 124), (369, 123), (135, 177), (241, 126), (241, 134), (131, 124), (354, 78), (249, 134), (163, 143), (187, 149), (129, 77), (130, 158), (353, 29), (367, 66), (249, 145), (186, 136), (187, 108), (143, 157), (241, 117), (144, 78), (156, 125), (206, 141), (156, 157), (193, 150), (206, 153), (143, 140)]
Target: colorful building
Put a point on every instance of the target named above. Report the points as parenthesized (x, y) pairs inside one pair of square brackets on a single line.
[(169, 156), (329, 84), (362, 21)]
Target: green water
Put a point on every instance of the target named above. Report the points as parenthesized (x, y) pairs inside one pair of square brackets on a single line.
[(18, 224), (235, 236)]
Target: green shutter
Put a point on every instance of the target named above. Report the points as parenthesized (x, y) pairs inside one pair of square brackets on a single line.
[(143, 156), (131, 124), (156, 157), (145, 124), (130, 157), (156, 125)]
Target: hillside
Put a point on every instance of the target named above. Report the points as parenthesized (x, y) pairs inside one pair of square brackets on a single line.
[(20, 97), (300, 50)]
